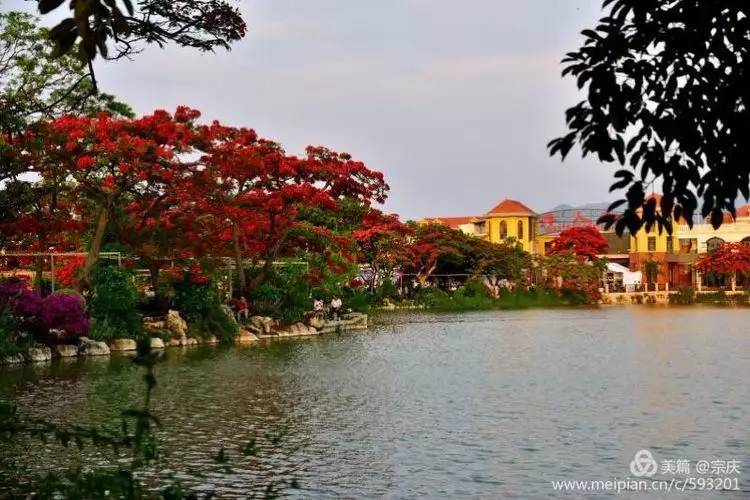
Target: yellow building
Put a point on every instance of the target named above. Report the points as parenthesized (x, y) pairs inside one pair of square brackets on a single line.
[(665, 260), (509, 219), (676, 254)]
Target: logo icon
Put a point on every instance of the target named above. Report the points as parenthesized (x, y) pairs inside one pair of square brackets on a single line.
[(643, 464)]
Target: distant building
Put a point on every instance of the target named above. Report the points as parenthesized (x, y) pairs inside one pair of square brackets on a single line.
[(508, 219), (674, 255)]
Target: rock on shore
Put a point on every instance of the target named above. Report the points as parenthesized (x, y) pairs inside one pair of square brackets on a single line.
[(88, 347), (38, 354), (123, 345), (66, 351)]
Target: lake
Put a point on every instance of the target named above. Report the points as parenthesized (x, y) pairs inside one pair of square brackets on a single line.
[(482, 405)]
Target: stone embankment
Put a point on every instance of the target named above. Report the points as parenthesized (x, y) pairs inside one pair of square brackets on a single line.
[(172, 331)]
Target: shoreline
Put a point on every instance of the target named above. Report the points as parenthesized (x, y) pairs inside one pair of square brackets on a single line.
[(88, 348)]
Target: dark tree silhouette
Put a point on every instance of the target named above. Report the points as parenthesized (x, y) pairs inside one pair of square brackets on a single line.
[(667, 93), (94, 25)]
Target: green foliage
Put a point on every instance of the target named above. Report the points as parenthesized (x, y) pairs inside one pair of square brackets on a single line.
[(359, 300), (683, 296), (474, 288), (431, 297), (199, 305), (12, 340), (113, 304), (721, 297), (285, 295), (34, 85), (473, 298), (386, 290)]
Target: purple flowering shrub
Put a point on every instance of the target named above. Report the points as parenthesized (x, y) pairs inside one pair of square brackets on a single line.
[(62, 311), (65, 313), (20, 299)]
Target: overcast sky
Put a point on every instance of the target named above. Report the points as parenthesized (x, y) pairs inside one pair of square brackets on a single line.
[(453, 101)]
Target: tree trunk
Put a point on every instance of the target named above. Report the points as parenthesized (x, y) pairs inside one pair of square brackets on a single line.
[(374, 279), (241, 279), (39, 274), (262, 275), (39, 265), (153, 268), (270, 256), (96, 245)]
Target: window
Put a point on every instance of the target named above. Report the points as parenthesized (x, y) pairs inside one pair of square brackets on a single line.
[(688, 245), (670, 245), (652, 243), (479, 227), (532, 229), (520, 230), (503, 229), (713, 244)]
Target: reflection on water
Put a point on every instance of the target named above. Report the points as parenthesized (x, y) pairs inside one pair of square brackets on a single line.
[(492, 404)]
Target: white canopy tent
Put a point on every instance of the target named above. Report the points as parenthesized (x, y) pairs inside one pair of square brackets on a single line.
[(630, 279)]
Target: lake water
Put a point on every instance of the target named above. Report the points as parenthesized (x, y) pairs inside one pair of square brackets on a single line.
[(479, 405)]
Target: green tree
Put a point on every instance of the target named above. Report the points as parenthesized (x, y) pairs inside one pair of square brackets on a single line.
[(667, 95), (34, 85)]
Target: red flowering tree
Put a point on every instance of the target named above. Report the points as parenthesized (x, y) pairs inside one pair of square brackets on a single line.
[(434, 245), (585, 242), (579, 280), (382, 242), (730, 259), (109, 161), (254, 197)]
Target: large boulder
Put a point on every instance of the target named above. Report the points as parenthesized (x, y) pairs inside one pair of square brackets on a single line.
[(154, 325), (176, 325), (263, 323), (123, 345), (191, 341), (177, 342), (66, 351), (38, 354), (245, 337), (355, 320), (316, 321), (88, 347), (15, 359), (297, 330), (157, 343)]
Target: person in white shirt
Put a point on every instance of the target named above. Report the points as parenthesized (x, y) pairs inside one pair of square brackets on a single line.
[(335, 307)]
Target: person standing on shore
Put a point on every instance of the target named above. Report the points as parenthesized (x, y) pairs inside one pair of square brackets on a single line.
[(335, 308), (318, 307)]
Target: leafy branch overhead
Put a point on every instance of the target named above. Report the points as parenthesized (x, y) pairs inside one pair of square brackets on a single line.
[(667, 92), (96, 26)]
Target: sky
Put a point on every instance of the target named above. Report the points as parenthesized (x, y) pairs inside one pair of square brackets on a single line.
[(453, 101)]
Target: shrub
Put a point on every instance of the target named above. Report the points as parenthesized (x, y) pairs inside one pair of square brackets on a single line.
[(359, 300), (683, 296), (36, 316), (475, 287), (67, 312), (12, 339), (199, 304), (286, 295), (113, 304), (386, 290), (20, 299), (431, 297)]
